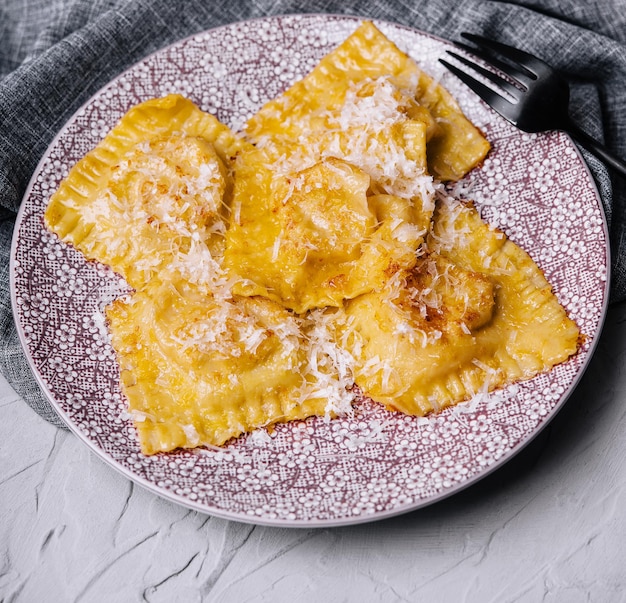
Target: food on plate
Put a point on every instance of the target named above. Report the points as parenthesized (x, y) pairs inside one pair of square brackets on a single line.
[(473, 315), (282, 272), (155, 187), (200, 369), (368, 80)]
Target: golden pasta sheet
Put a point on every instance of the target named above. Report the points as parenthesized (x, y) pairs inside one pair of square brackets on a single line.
[(364, 92), (475, 314), (154, 189), (317, 237), (199, 370)]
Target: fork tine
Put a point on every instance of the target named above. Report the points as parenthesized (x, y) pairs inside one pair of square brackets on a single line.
[(505, 85), (490, 96), (525, 61), (517, 73)]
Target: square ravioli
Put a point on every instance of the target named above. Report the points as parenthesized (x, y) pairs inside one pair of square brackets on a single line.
[(151, 192), (198, 370), (368, 80), (475, 314)]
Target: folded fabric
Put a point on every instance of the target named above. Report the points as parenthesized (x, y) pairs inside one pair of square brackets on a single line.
[(55, 55)]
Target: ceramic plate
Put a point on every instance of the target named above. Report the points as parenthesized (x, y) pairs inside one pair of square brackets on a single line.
[(310, 473)]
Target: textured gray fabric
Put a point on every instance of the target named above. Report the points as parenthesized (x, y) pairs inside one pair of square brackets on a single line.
[(54, 54)]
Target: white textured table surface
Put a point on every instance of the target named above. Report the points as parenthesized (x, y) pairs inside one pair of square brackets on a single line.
[(549, 526)]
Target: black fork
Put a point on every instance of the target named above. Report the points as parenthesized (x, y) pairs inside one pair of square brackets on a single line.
[(528, 92)]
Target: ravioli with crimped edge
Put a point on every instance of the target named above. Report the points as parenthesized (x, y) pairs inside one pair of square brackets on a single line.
[(473, 315), (369, 81), (282, 272), (152, 191), (199, 370)]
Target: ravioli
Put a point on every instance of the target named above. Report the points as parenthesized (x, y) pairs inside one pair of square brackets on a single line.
[(317, 237), (475, 314), (369, 77), (199, 371), (156, 187), (351, 134)]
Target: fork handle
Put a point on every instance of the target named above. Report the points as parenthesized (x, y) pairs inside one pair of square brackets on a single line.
[(593, 146)]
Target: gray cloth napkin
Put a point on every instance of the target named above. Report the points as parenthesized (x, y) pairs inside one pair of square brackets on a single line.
[(55, 54)]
